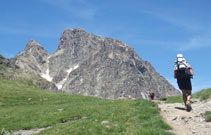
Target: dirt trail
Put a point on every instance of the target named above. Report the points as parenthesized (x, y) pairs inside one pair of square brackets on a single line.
[(187, 123)]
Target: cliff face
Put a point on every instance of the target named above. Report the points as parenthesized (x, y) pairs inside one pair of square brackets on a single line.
[(91, 65), (33, 58)]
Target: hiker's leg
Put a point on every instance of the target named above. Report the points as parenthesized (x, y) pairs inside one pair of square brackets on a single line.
[(184, 96), (188, 100), (189, 95), (188, 88)]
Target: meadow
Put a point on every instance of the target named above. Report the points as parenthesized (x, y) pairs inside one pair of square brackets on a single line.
[(23, 106)]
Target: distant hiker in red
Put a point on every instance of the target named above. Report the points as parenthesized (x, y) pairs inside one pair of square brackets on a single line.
[(183, 72), (151, 94)]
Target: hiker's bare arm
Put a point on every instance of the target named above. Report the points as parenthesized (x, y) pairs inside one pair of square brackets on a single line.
[(174, 74), (191, 71)]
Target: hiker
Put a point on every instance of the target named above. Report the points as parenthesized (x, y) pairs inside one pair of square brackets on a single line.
[(183, 73), (151, 94)]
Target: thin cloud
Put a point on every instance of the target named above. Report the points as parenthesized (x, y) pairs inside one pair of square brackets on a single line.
[(200, 40), (163, 43), (78, 8), (13, 30), (27, 29), (196, 43), (177, 19)]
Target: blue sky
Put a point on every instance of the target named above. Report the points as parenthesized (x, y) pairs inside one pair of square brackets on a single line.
[(156, 29)]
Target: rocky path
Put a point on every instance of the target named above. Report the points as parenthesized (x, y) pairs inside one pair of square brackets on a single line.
[(187, 123)]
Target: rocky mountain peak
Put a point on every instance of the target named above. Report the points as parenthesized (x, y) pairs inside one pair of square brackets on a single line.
[(32, 44), (91, 65), (66, 40), (34, 48), (33, 58), (74, 30)]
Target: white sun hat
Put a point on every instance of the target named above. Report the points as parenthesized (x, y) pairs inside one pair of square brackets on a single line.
[(179, 57)]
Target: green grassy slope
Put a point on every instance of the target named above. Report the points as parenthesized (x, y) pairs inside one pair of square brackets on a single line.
[(202, 95), (174, 99), (24, 106)]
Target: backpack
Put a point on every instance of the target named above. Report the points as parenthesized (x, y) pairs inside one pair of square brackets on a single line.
[(182, 69)]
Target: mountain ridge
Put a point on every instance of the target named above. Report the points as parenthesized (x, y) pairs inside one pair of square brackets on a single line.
[(91, 65)]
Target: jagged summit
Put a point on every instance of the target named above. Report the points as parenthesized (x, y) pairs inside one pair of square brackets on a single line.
[(32, 44), (33, 57), (91, 65), (69, 34), (75, 30)]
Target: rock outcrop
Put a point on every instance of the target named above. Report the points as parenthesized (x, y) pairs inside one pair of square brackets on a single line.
[(9, 70), (33, 58), (90, 65)]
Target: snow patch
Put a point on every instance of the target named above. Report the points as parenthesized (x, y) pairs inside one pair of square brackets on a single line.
[(71, 69), (47, 76), (60, 84)]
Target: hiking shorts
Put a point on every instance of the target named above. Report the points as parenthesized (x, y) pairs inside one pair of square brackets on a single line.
[(184, 83)]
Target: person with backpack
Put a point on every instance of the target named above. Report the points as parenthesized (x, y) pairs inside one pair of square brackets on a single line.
[(183, 73), (152, 95)]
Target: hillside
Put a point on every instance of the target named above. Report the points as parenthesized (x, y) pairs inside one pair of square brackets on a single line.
[(9, 70), (25, 107)]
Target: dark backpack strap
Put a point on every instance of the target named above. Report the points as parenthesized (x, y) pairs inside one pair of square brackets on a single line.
[(182, 62)]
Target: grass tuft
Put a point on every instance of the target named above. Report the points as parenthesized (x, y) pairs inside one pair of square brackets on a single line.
[(208, 116), (174, 99), (203, 94)]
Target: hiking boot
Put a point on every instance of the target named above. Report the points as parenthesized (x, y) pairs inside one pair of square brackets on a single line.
[(185, 107), (188, 106)]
